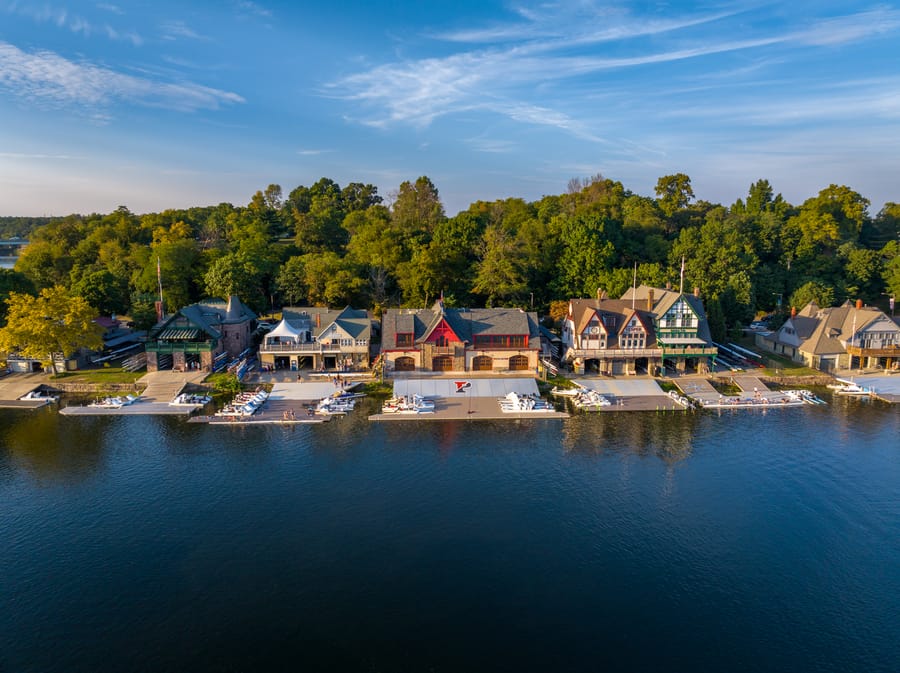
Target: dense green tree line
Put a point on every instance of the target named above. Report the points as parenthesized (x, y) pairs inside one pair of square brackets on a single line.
[(332, 245)]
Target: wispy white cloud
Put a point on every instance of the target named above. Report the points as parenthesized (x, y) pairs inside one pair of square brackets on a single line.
[(492, 145), (62, 18), (553, 26), (843, 29), (47, 78), (540, 52), (312, 153), (174, 30), (107, 7), (249, 7)]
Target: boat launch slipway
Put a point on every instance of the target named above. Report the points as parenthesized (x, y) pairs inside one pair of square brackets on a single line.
[(466, 398)]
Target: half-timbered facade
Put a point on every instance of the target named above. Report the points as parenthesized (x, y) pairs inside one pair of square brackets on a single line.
[(608, 336), (460, 340), (645, 331)]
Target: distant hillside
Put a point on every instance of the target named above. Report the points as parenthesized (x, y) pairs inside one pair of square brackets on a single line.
[(21, 226)]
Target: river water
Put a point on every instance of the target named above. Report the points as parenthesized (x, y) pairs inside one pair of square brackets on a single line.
[(747, 541)]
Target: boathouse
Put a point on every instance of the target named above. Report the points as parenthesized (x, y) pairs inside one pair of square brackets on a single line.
[(193, 336), (318, 338), (850, 336), (443, 339), (647, 330)]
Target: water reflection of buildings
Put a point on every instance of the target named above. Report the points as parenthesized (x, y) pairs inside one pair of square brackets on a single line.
[(666, 435), (37, 443)]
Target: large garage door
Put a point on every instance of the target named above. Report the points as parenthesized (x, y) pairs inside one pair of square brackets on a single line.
[(442, 363), (405, 364), (482, 363), (518, 363)]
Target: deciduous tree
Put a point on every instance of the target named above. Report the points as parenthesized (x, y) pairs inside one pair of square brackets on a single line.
[(53, 322)]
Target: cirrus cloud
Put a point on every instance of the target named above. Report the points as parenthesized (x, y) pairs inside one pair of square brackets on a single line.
[(46, 78)]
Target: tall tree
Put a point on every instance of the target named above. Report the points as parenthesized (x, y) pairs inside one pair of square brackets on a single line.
[(12, 281), (53, 322), (417, 209), (674, 193)]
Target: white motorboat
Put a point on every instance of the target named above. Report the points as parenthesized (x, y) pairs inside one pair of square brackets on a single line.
[(590, 399), (190, 400), (406, 404), (108, 403), (515, 403), (851, 388), (40, 395), (566, 392)]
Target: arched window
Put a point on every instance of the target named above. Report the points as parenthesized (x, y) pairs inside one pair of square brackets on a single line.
[(482, 363), (518, 363), (405, 364), (442, 363)]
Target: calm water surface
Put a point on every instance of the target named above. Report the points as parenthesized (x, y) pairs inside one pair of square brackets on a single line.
[(741, 542)]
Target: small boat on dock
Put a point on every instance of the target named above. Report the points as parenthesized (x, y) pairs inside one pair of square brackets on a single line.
[(850, 388), (244, 404), (589, 400), (683, 400), (806, 396), (566, 392), (517, 404), (113, 402), (408, 404), (38, 395), (190, 400)]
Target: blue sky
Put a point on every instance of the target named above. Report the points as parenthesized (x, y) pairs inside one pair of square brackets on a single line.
[(156, 104)]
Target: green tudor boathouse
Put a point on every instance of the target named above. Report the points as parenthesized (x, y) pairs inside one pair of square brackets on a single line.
[(682, 330), (192, 337)]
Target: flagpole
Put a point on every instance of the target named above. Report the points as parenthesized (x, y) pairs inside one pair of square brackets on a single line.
[(162, 307), (634, 287), (681, 284)]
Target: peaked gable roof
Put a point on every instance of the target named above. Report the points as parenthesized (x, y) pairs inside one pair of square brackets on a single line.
[(464, 322), (828, 331), (584, 310)]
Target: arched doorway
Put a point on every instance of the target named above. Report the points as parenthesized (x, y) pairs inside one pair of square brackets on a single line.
[(405, 364), (442, 363), (482, 363), (518, 363)]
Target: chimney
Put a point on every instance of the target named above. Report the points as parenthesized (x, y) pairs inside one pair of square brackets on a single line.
[(793, 311), (318, 319), (668, 285), (650, 300), (859, 303), (599, 292), (696, 291)]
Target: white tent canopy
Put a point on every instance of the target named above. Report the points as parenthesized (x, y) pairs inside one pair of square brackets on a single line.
[(283, 333)]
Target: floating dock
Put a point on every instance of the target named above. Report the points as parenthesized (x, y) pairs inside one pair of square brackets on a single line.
[(466, 399)]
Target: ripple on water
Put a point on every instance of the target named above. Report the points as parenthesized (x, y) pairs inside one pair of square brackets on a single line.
[(743, 541)]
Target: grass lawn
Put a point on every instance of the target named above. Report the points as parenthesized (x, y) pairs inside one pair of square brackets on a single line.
[(98, 376), (776, 365)]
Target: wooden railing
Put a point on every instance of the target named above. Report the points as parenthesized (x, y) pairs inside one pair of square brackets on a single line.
[(889, 352)]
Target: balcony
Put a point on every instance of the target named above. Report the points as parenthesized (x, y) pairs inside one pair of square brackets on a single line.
[(885, 352), (607, 353), (691, 351), (309, 348), (181, 347)]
